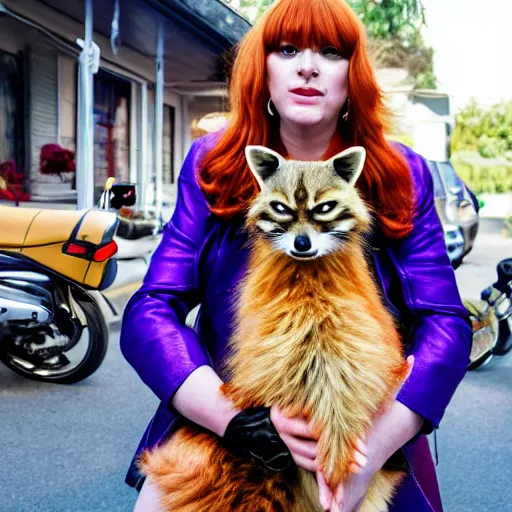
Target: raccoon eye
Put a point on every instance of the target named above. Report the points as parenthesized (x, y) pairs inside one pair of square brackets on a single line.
[(280, 208), (324, 208)]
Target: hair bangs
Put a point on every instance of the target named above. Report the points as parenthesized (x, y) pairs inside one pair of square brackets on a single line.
[(314, 24)]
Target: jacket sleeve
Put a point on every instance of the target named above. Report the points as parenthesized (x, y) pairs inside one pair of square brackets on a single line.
[(441, 335), (154, 337)]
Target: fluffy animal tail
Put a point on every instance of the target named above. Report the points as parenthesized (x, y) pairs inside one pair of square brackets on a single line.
[(381, 491), (341, 414), (193, 472)]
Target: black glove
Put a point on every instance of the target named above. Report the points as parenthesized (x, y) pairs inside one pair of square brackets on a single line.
[(251, 433)]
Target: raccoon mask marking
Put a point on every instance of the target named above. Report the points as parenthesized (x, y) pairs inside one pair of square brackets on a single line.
[(307, 209)]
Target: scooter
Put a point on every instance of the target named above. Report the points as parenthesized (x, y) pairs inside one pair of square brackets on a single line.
[(492, 318), (52, 263)]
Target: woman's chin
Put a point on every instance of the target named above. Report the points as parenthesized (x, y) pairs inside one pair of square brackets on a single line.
[(304, 116)]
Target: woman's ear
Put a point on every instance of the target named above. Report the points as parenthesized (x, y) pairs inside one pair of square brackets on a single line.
[(349, 164), (263, 162)]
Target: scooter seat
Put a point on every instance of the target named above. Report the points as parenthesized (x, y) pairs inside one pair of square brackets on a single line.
[(45, 236), (33, 227)]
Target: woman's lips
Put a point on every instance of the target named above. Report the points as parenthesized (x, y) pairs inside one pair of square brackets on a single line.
[(307, 91)]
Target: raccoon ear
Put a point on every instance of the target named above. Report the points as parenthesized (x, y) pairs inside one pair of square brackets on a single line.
[(263, 162), (349, 164)]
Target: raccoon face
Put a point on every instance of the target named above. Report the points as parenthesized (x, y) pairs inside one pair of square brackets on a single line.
[(307, 209)]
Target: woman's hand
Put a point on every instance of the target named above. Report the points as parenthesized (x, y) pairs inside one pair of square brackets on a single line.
[(392, 429), (298, 436), (348, 496), (357, 484)]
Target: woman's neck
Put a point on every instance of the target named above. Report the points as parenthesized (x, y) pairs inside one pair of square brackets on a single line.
[(308, 142)]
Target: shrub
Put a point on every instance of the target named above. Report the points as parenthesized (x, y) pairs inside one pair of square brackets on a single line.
[(480, 178)]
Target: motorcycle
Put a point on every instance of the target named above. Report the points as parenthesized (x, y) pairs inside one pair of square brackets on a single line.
[(492, 318), (52, 263)]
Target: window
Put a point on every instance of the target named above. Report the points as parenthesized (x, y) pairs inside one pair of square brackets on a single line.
[(12, 172)]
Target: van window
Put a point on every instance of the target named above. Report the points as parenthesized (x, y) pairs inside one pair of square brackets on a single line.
[(453, 184), (451, 179), (438, 182)]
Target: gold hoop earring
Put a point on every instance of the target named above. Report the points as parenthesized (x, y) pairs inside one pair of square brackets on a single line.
[(269, 107)]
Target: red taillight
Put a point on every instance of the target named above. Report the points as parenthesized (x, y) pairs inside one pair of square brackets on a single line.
[(105, 252), (75, 249)]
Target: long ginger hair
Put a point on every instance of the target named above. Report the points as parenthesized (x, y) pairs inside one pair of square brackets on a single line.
[(386, 182)]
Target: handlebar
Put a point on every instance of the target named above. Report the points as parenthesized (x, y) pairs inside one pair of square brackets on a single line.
[(486, 294)]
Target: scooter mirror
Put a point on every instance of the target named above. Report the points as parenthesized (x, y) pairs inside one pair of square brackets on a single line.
[(122, 194), (504, 271)]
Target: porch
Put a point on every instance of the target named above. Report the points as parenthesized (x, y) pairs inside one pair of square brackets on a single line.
[(159, 70)]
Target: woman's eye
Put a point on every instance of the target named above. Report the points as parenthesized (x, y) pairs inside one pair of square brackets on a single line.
[(325, 207), (331, 52), (279, 207), (289, 50)]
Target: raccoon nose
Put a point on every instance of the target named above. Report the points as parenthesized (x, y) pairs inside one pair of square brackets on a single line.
[(302, 243)]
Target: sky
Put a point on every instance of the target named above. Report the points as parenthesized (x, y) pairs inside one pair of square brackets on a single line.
[(472, 40)]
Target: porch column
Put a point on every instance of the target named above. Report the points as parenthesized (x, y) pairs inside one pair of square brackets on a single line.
[(186, 124), (143, 169), (134, 141), (88, 64), (159, 123)]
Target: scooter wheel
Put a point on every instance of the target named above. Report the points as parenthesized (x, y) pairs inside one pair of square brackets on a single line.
[(79, 362)]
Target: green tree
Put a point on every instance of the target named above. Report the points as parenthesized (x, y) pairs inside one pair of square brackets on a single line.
[(251, 9), (395, 40), (488, 131), (391, 19), (262, 5)]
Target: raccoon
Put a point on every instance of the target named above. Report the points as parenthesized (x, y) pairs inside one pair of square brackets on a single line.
[(307, 209), (312, 336)]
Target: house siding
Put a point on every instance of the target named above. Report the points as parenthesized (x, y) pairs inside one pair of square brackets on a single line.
[(44, 82)]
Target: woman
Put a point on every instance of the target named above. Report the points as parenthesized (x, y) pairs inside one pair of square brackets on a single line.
[(303, 85)]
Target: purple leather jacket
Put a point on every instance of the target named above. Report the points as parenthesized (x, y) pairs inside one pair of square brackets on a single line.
[(201, 259)]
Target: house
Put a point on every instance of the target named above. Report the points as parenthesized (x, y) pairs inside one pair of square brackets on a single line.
[(426, 116), (140, 112)]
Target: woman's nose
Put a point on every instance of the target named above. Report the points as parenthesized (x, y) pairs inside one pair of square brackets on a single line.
[(307, 67)]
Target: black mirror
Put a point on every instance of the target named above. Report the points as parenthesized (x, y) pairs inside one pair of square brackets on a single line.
[(504, 271), (123, 194)]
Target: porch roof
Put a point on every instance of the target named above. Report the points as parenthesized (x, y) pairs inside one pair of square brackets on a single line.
[(196, 33)]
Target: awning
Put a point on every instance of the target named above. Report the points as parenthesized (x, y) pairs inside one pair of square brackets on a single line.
[(196, 32)]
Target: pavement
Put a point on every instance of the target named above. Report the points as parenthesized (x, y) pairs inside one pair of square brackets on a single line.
[(67, 448), (475, 436), (496, 205)]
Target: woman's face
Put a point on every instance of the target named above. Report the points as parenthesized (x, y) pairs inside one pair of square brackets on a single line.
[(307, 86)]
